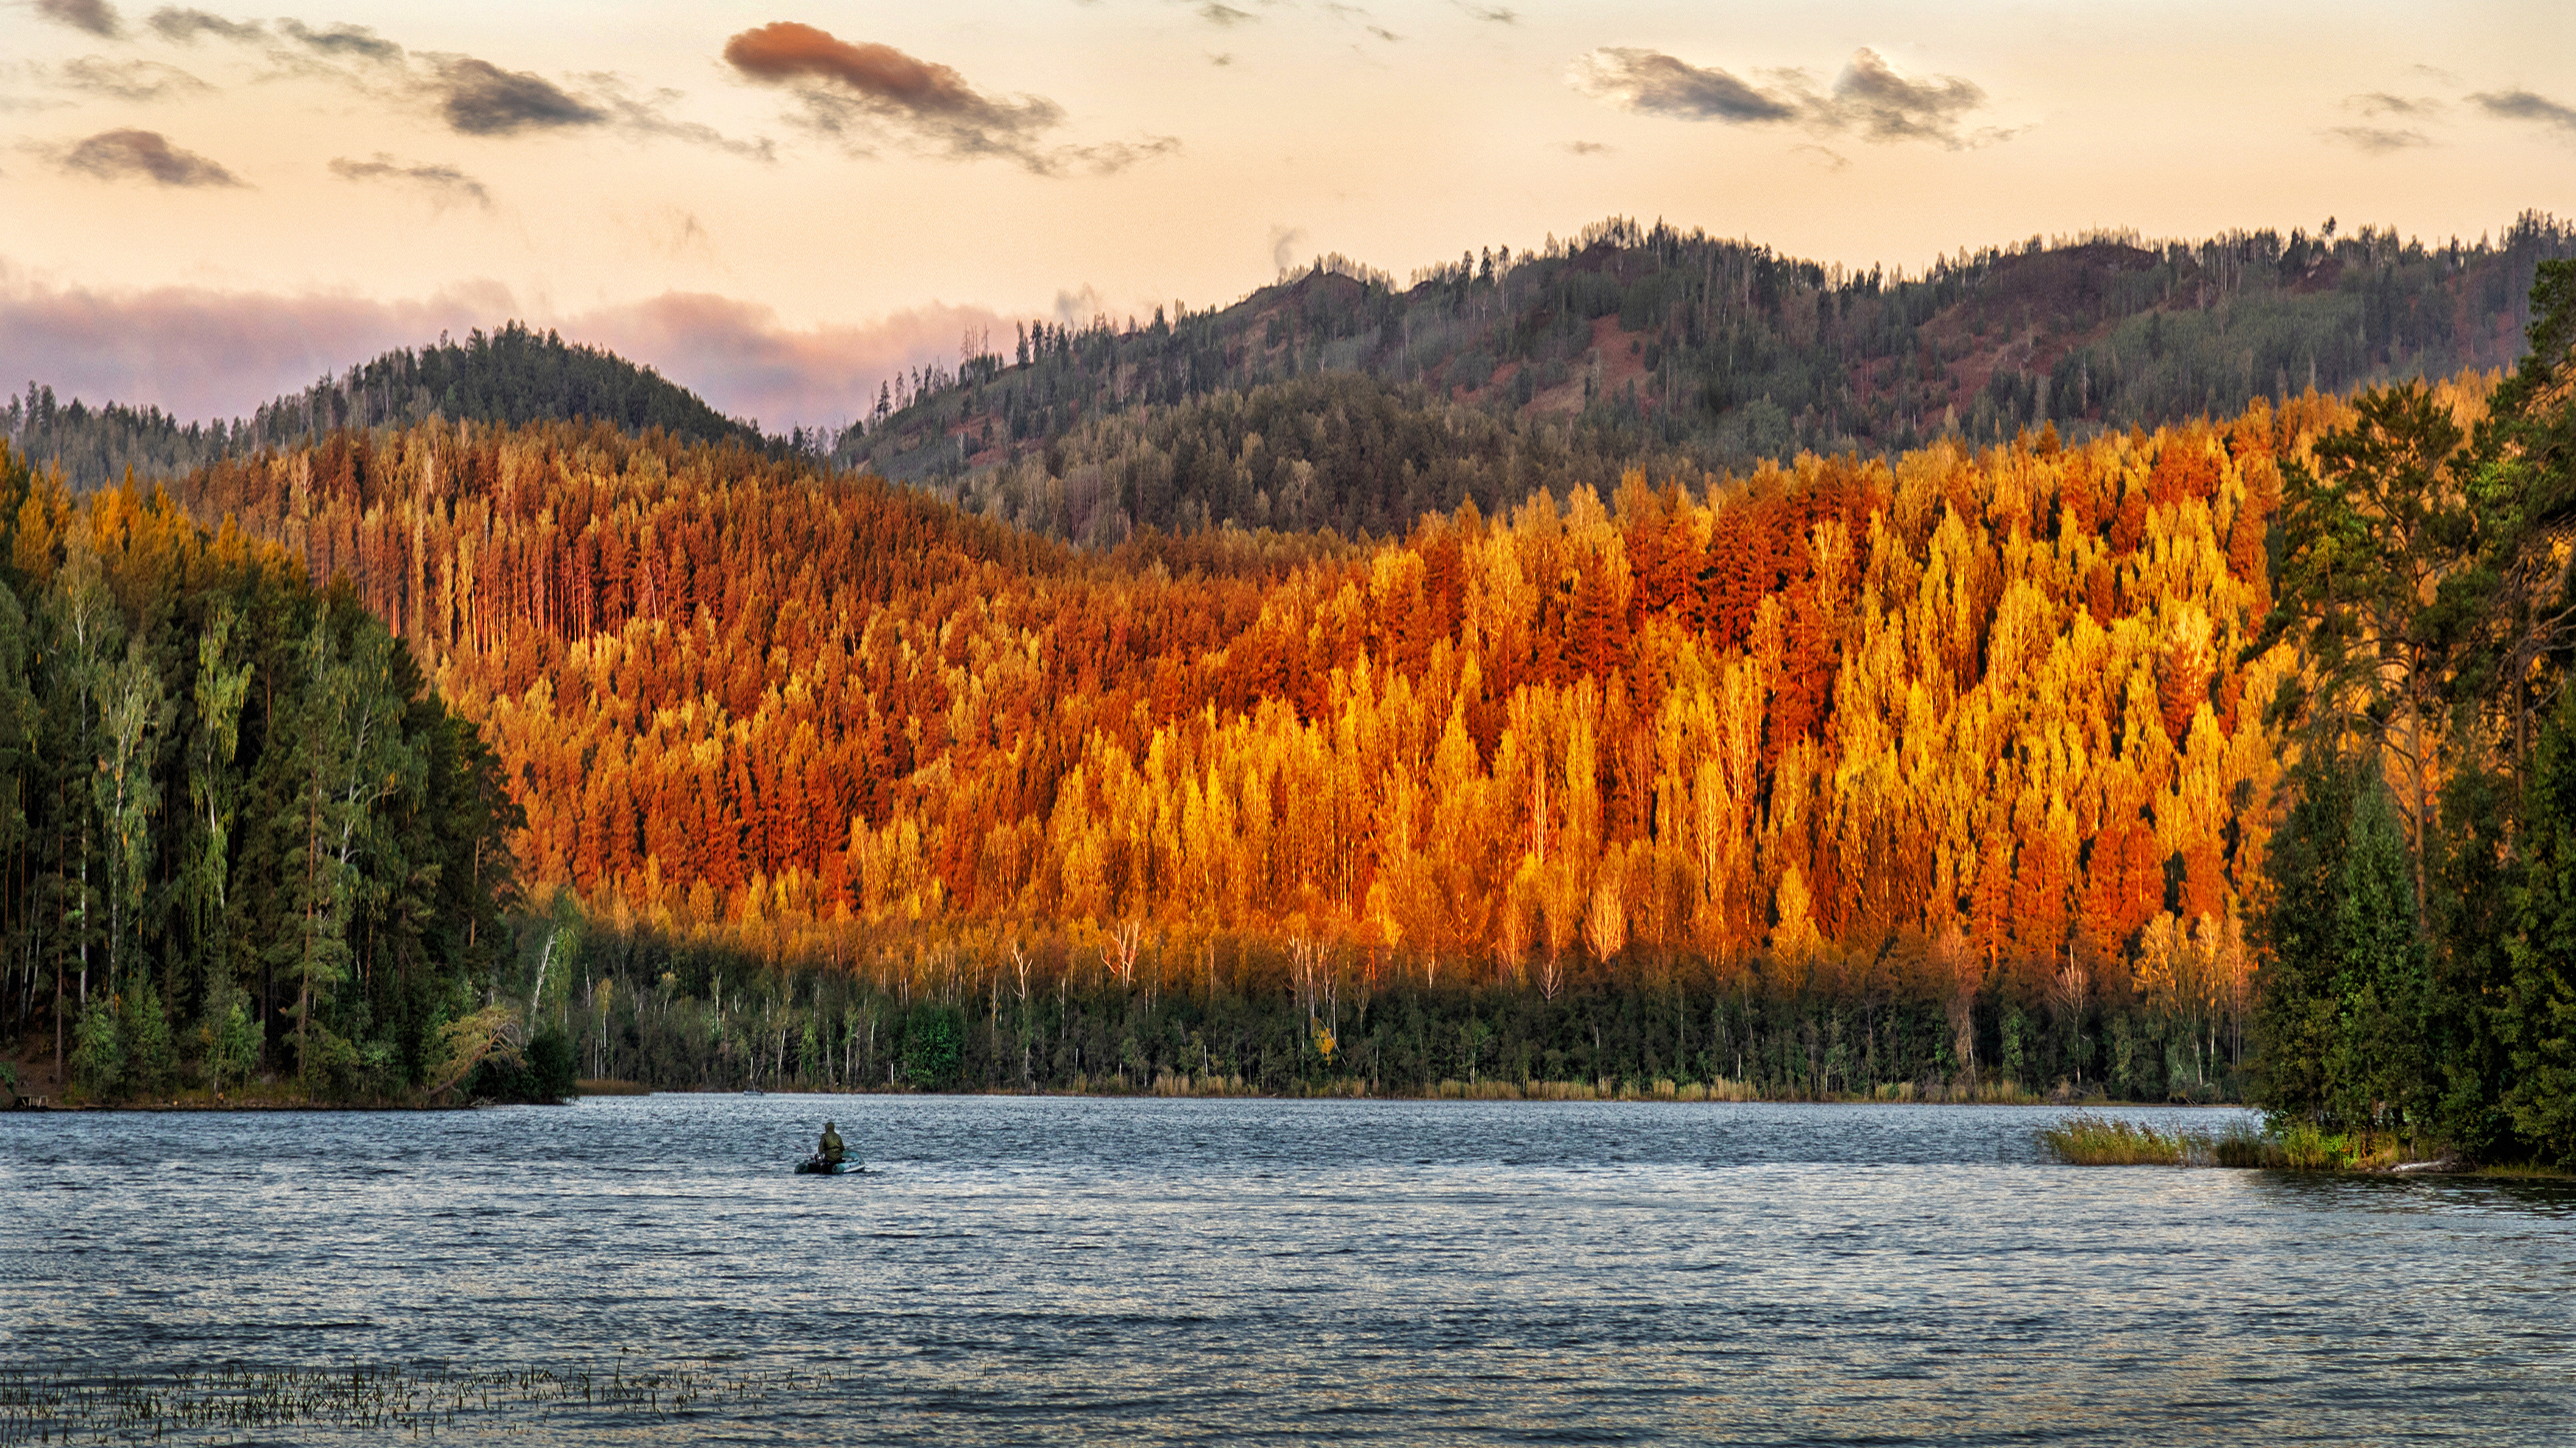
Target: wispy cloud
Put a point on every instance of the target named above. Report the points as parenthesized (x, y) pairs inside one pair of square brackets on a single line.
[(1825, 156), (133, 155), (95, 16), (186, 27), (1587, 148), (1284, 242), (854, 88), (2379, 140), (2522, 105), (342, 42), (2386, 103), (130, 80), (1868, 97), (471, 95), (444, 184), (648, 113), (1216, 13)]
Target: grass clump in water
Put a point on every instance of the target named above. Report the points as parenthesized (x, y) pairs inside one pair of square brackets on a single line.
[(2086, 1139)]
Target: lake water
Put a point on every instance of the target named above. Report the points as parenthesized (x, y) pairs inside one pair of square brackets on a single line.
[(1040, 1270)]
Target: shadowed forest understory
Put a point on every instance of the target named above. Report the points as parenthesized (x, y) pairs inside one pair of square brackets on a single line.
[(1232, 1014)]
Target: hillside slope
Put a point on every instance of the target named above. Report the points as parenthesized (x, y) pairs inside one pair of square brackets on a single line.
[(515, 375), (1668, 351)]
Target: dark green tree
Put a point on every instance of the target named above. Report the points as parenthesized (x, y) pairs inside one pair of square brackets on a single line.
[(2538, 1013)]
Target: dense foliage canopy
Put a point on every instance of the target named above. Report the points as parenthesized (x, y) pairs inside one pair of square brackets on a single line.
[(238, 835)]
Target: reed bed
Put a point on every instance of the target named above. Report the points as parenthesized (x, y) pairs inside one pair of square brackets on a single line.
[(241, 1404), (2088, 1139)]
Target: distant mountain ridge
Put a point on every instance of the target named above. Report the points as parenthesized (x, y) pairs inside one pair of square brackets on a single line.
[(1335, 399), (1332, 398), (514, 375)]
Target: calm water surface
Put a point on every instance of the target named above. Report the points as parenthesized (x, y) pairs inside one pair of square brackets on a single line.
[(1052, 1270)]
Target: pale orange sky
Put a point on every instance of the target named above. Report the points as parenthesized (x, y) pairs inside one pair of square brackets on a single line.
[(200, 207)]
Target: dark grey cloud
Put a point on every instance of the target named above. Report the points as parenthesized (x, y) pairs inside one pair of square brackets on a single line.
[(187, 26), (1661, 85), (342, 42), (132, 155), (444, 184), (1886, 106), (855, 90), (1869, 97), (95, 16), (2522, 105), (2379, 140), (478, 98), (129, 80)]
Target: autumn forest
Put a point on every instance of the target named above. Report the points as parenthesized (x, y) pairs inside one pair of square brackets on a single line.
[(1963, 770)]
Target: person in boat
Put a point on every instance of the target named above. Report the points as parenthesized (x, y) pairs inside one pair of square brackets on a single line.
[(830, 1151)]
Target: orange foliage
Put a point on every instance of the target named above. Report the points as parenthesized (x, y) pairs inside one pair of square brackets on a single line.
[(1993, 694)]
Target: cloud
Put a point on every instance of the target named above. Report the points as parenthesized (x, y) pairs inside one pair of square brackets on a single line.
[(2379, 140), (647, 115), (475, 97), (131, 80), (1869, 96), (1494, 14), (1222, 58), (207, 354), (479, 98), (185, 26), (2382, 103), (1888, 106), (95, 16), (202, 354), (144, 156), (743, 359), (1382, 33), (1080, 305), (350, 41), (1284, 242), (1220, 14), (847, 85), (445, 184), (1660, 85), (1825, 156), (1587, 148), (2522, 105)]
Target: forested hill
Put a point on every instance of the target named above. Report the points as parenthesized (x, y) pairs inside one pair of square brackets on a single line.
[(514, 375), (1335, 399), (1977, 730)]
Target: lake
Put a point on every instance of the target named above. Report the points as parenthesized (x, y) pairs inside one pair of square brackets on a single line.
[(1042, 1270)]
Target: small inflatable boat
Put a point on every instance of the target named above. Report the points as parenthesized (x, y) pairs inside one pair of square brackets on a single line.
[(816, 1166)]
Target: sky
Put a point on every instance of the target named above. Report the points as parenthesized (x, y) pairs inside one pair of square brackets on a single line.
[(779, 204)]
